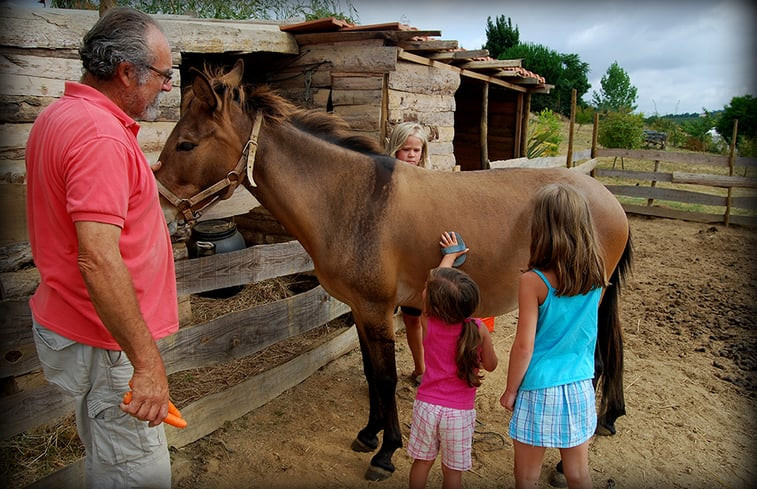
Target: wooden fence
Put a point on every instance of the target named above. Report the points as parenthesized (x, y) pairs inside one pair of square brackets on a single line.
[(643, 184), (229, 337)]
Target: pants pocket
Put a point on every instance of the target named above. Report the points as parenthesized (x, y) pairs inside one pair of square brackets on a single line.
[(61, 359), (118, 437)]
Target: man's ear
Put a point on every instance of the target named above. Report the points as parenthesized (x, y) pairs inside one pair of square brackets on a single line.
[(126, 73)]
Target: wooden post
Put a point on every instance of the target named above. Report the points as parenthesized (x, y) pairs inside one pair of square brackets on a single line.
[(594, 129), (524, 130), (731, 160), (571, 126), (485, 127), (383, 123), (654, 182), (519, 135)]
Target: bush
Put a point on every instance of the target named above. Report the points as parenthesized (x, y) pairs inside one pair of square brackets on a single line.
[(544, 135), (621, 130)]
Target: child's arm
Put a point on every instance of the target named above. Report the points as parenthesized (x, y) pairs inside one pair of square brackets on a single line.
[(489, 358), (523, 344), (449, 239)]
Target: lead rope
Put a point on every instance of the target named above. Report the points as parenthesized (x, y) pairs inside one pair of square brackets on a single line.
[(252, 147)]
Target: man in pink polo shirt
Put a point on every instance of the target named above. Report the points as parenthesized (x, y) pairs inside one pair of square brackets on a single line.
[(100, 242)]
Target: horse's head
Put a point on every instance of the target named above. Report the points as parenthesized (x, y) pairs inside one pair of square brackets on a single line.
[(213, 145), (202, 160)]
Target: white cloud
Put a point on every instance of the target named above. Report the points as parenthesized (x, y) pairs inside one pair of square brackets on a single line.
[(681, 55)]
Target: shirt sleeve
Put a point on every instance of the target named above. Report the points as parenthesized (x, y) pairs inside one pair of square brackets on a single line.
[(97, 181)]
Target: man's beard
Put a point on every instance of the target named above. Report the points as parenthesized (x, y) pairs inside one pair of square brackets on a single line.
[(152, 110)]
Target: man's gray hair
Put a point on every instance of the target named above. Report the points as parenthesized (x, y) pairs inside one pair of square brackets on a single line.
[(120, 35)]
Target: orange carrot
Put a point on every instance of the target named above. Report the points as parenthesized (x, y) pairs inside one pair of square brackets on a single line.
[(173, 418)]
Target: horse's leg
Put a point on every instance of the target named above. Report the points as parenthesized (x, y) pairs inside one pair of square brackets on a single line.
[(367, 439), (377, 348), (609, 355)]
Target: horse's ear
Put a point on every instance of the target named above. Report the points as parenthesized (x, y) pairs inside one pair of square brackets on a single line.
[(234, 77), (203, 90)]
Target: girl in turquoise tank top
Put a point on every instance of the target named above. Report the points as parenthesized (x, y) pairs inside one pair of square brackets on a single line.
[(549, 378)]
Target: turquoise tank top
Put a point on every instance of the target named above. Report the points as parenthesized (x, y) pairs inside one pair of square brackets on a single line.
[(566, 336)]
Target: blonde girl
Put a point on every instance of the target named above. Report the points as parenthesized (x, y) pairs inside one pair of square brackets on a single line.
[(549, 378)]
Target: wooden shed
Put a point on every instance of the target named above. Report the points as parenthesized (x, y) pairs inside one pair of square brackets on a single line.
[(373, 76)]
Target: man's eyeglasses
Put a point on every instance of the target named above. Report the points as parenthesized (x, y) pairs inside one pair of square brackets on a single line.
[(167, 76)]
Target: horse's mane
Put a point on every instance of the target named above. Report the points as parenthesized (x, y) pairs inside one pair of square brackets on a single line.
[(277, 110)]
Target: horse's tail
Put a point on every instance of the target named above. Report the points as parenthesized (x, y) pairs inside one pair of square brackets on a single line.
[(609, 354)]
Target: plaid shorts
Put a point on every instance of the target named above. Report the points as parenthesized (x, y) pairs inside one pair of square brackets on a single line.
[(438, 428), (558, 417)]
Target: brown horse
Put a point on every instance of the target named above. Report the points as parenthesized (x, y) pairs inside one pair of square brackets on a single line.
[(372, 224)]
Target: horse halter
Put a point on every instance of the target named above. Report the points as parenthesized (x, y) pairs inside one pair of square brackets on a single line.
[(232, 180)]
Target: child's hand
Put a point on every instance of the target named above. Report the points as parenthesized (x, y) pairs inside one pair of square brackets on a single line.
[(452, 250), (507, 400), (448, 239)]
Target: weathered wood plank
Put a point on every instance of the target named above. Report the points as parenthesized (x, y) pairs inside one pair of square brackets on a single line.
[(22, 108), (430, 45), (238, 334), (651, 176), (351, 58), (226, 338), (13, 218), (459, 55), (658, 211), (211, 412), (21, 411), (491, 64), (358, 35), (19, 355), (670, 194), (673, 157), (420, 102), (17, 284), (423, 79), (65, 28), (714, 180), (586, 167), (252, 264), (356, 97)]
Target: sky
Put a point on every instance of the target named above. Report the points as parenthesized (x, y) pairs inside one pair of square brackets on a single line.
[(682, 56)]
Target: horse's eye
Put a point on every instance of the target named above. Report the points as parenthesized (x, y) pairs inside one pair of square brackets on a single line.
[(185, 146)]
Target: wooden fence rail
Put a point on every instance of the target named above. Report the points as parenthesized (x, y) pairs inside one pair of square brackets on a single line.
[(229, 337), (711, 182)]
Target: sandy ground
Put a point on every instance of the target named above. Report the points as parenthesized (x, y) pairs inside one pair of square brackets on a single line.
[(690, 361)]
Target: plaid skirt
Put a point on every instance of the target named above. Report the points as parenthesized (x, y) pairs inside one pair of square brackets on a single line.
[(557, 417)]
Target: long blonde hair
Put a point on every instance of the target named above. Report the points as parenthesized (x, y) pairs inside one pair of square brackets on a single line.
[(400, 134), (563, 240), (452, 296)]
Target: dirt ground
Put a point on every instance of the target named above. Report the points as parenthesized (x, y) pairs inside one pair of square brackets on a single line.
[(689, 324)]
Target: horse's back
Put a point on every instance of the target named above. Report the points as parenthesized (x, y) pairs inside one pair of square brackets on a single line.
[(492, 210)]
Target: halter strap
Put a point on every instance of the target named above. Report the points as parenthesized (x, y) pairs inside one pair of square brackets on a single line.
[(232, 180)]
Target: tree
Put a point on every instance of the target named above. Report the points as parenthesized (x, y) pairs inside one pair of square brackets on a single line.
[(745, 110), (617, 93), (500, 36), (621, 130), (223, 9), (564, 71)]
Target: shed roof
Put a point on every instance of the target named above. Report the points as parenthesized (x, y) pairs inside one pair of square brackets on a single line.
[(421, 43)]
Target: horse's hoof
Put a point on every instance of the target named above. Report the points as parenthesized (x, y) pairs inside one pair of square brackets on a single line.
[(604, 429), (361, 446), (557, 479), (375, 473)]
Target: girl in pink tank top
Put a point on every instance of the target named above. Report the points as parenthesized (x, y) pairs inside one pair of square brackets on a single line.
[(455, 346)]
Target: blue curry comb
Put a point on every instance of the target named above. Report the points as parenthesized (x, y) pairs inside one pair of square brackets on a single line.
[(460, 246)]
